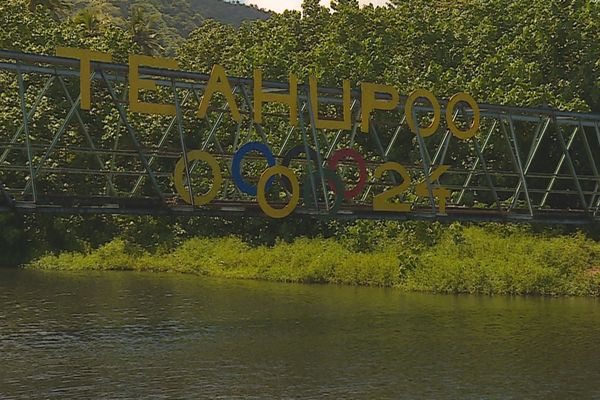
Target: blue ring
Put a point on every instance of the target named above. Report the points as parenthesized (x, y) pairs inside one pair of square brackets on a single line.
[(236, 166)]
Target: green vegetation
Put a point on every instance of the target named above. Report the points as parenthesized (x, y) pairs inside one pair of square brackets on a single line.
[(169, 21), (450, 259), (182, 16), (162, 23), (523, 52)]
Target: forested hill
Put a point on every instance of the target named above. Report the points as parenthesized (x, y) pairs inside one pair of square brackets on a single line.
[(230, 13), (182, 16), (167, 22)]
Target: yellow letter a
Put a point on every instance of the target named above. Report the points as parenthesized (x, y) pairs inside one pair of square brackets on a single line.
[(218, 82)]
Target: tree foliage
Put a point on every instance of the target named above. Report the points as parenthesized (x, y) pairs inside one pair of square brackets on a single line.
[(526, 53)]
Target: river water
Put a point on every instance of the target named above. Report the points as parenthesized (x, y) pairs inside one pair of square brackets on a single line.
[(133, 335)]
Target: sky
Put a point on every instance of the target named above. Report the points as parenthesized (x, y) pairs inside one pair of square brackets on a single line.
[(280, 5)]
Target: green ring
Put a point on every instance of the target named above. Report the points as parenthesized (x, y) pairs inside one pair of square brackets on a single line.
[(339, 190)]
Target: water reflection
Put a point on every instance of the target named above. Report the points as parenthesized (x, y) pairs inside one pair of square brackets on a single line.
[(123, 335)]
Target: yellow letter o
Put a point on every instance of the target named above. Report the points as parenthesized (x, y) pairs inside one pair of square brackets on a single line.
[(206, 198), (410, 102), (261, 196), (454, 100)]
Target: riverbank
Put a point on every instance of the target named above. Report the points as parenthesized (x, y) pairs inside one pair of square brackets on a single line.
[(463, 260)]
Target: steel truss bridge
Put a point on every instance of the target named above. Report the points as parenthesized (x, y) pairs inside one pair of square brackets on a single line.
[(525, 164)]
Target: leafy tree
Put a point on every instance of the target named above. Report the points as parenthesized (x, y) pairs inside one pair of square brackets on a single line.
[(91, 20), (58, 8), (142, 27), (524, 52)]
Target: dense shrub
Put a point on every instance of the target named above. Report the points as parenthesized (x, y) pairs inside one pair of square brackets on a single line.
[(459, 260)]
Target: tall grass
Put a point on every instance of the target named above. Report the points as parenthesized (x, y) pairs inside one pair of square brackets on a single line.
[(478, 261), (460, 260)]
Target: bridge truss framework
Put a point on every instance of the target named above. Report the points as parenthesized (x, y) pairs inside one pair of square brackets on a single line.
[(524, 165)]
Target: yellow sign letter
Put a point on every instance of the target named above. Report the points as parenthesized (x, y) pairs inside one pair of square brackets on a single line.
[(136, 84), (261, 97), (85, 57), (218, 82), (346, 123), (370, 103)]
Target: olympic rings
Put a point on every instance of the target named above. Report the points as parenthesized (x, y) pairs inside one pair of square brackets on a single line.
[(261, 197), (206, 198), (237, 161), (339, 189), (362, 167), (293, 153)]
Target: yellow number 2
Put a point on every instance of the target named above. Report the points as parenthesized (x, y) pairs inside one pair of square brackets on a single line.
[(380, 202)]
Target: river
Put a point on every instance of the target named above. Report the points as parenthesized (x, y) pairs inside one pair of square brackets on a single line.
[(153, 336)]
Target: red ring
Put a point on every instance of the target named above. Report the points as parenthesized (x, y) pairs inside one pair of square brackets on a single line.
[(332, 164)]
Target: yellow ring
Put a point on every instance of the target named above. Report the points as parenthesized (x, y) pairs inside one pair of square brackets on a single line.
[(262, 199), (454, 100), (200, 199), (437, 113)]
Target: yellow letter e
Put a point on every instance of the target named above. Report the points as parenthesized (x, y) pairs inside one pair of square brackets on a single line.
[(136, 84)]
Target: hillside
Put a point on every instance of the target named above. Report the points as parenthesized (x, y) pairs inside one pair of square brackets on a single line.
[(231, 13), (184, 15), (171, 20), (179, 17)]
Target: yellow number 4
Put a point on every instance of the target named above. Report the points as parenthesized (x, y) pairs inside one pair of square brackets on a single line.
[(441, 193)]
